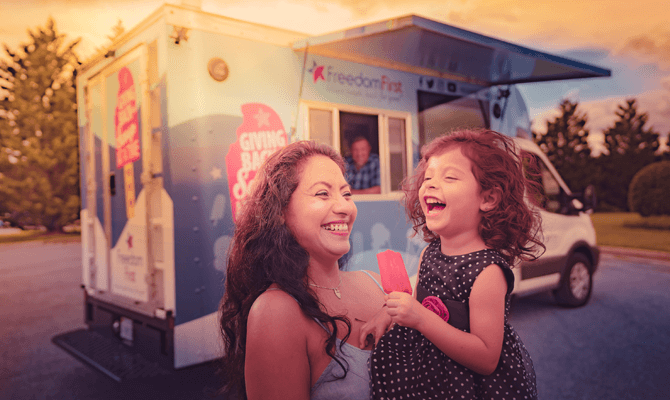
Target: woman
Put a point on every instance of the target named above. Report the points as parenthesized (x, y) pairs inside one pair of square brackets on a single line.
[(290, 317)]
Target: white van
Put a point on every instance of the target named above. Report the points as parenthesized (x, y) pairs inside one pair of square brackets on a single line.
[(572, 256)]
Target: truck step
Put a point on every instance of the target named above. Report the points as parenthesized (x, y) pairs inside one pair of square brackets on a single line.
[(108, 355)]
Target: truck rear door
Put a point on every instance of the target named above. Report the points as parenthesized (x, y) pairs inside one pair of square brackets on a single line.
[(117, 255)]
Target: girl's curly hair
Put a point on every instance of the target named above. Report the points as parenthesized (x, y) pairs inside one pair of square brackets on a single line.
[(512, 227), (263, 251)]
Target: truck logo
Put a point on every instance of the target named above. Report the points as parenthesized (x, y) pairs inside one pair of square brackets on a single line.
[(331, 75), (260, 134), (317, 71)]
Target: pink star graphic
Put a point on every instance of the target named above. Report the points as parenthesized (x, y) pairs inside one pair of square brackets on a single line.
[(262, 118), (318, 73)]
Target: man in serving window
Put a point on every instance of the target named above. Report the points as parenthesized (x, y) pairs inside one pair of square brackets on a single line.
[(363, 168)]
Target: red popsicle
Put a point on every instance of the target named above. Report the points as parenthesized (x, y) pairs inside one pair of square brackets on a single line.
[(393, 272)]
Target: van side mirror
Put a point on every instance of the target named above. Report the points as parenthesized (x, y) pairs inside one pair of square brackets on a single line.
[(589, 198), (580, 202)]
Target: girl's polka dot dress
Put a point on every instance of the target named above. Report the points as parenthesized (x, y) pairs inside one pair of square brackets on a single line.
[(406, 365)]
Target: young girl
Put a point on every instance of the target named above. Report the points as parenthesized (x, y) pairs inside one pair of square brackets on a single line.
[(467, 199)]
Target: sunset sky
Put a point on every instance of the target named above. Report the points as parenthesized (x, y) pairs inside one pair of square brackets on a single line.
[(631, 38)]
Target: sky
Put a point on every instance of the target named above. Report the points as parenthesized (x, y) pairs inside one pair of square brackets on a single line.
[(631, 38)]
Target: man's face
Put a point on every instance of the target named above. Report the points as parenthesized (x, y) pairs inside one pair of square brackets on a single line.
[(360, 152)]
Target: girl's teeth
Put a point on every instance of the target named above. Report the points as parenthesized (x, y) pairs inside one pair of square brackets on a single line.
[(434, 206)]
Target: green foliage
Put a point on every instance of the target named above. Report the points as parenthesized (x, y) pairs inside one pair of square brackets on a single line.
[(629, 147), (650, 190), (565, 144), (39, 161)]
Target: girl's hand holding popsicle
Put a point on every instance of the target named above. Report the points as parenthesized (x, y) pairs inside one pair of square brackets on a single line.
[(393, 272)]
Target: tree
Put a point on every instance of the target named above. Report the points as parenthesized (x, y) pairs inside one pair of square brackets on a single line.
[(117, 31), (39, 160), (565, 144), (629, 147)]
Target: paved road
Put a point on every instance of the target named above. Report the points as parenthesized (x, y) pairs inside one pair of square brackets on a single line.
[(39, 298), (614, 348)]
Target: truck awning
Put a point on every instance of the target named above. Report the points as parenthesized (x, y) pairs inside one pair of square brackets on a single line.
[(423, 46)]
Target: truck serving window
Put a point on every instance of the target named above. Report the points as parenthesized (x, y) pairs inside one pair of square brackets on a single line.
[(440, 114), (374, 144)]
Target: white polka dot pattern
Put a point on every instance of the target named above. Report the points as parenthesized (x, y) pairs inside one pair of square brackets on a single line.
[(406, 365)]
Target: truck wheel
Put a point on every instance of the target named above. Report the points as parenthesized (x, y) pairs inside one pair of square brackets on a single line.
[(576, 282)]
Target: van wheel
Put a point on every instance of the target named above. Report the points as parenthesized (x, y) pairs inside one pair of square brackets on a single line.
[(576, 282)]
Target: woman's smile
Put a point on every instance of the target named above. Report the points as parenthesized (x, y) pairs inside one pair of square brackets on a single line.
[(340, 228)]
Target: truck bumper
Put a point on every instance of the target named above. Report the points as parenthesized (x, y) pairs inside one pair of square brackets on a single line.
[(145, 352), (108, 356)]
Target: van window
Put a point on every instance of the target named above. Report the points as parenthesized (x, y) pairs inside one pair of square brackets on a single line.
[(374, 144), (549, 196), (440, 114)]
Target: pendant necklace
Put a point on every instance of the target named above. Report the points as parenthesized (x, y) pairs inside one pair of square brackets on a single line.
[(335, 290)]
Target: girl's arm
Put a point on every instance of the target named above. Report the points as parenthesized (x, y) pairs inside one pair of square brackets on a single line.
[(276, 363), (478, 350)]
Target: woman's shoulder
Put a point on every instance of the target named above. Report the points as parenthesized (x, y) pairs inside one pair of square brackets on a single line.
[(366, 280), (276, 342), (273, 309), (273, 301), (364, 273)]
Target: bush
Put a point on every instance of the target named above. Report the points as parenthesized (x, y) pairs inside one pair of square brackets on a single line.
[(649, 190)]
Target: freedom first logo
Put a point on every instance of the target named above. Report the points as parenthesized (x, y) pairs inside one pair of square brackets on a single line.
[(330, 75)]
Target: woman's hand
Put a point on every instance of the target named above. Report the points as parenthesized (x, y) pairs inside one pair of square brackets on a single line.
[(404, 309), (374, 329)]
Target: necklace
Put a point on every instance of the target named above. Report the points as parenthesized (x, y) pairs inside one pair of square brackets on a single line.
[(335, 289)]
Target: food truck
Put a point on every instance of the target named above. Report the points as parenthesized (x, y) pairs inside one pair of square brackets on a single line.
[(176, 117)]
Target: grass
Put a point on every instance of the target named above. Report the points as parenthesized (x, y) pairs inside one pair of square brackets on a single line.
[(656, 222), (28, 236), (632, 231)]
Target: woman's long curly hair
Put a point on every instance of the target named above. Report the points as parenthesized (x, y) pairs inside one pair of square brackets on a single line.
[(512, 227), (263, 251)]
